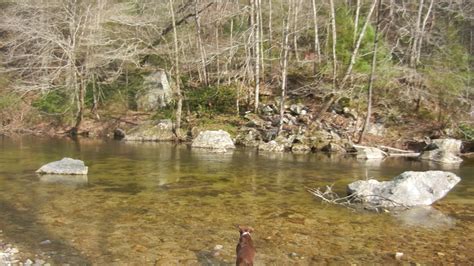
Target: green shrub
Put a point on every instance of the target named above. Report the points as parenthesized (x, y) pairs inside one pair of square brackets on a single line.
[(467, 131), (212, 99), (53, 102)]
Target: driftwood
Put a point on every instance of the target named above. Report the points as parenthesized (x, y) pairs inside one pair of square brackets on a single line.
[(394, 152), (353, 201)]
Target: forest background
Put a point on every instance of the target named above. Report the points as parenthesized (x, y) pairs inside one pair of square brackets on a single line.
[(76, 65)]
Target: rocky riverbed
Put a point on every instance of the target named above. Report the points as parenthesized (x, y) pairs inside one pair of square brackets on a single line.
[(10, 255)]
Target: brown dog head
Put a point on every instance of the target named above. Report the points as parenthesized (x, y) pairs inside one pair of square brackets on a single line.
[(243, 229)]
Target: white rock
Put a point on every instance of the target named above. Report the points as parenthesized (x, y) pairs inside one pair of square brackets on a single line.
[(66, 166), (213, 140), (369, 152), (408, 189)]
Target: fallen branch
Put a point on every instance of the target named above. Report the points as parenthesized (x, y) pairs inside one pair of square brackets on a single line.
[(354, 201)]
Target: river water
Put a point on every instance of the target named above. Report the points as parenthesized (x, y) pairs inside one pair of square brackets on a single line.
[(162, 204)]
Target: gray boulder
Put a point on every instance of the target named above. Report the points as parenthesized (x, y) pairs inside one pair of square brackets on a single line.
[(443, 151), (156, 92), (408, 189), (152, 131), (300, 148), (369, 152), (333, 148), (271, 146), (248, 137), (210, 139), (377, 129), (66, 166)]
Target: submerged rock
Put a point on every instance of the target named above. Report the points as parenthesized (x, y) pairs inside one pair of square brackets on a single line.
[(443, 151), (408, 189), (68, 180), (152, 131), (66, 166), (210, 139), (425, 216)]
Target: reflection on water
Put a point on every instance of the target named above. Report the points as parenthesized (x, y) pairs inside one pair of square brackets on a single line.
[(425, 216), (145, 203), (70, 180)]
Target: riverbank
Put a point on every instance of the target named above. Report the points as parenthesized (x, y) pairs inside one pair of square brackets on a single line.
[(303, 130)]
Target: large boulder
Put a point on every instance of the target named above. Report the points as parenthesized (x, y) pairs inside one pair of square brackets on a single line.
[(156, 92), (408, 189), (66, 166), (152, 131), (333, 148), (369, 153), (213, 139), (443, 151), (248, 137)]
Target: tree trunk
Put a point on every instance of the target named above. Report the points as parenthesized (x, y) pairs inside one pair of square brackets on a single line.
[(317, 48), (416, 35), (202, 51), (270, 33), (179, 107), (422, 33), (356, 23), (334, 40), (358, 43), (295, 29), (372, 74), (257, 53), (284, 66)]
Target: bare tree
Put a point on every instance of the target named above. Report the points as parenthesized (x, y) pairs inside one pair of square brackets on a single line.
[(256, 30), (416, 35), (63, 45), (317, 48), (179, 106), (202, 51), (372, 75), (358, 43), (334, 41), (284, 63)]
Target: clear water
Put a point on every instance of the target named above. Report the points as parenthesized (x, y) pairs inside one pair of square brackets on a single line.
[(159, 203)]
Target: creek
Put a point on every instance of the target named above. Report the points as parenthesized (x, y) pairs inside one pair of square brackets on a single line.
[(161, 203)]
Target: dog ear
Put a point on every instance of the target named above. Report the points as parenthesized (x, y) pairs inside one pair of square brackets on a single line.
[(240, 228), (250, 229)]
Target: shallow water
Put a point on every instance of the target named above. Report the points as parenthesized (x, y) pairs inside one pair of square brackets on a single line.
[(159, 203)]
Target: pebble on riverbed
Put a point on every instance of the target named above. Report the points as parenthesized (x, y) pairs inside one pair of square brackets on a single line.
[(8, 256)]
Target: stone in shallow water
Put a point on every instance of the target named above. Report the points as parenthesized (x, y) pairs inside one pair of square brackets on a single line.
[(66, 166), (209, 139), (408, 189)]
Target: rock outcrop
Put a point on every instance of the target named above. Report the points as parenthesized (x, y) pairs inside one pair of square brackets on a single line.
[(66, 166), (156, 92), (443, 151), (408, 189), (271, 146), (213, 139), (152, 131)]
